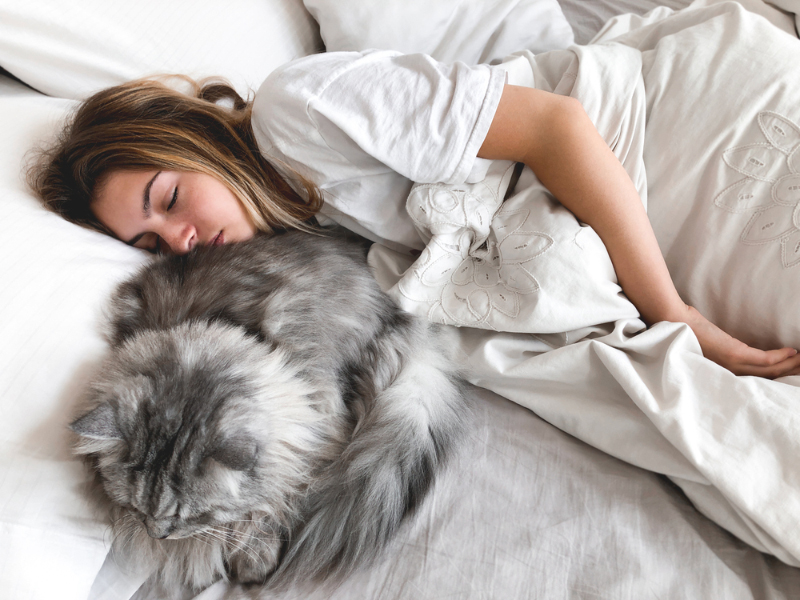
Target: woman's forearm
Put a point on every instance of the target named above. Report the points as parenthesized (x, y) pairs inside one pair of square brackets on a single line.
[(582, 172), (572, 160)]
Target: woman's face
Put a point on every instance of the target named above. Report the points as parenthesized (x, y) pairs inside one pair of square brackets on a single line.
[(171, 211)]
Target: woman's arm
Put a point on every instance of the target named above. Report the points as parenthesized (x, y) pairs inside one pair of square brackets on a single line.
[(553, 135)]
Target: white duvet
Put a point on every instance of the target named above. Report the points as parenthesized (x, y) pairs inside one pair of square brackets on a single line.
[(702, 107)]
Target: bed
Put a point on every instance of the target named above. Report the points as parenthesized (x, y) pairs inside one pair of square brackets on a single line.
[(601, 464)]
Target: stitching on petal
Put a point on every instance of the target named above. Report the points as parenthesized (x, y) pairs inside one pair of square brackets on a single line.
[(784, 135), (790, 250)]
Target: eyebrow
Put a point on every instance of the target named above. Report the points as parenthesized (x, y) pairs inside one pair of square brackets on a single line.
[(145, 207)]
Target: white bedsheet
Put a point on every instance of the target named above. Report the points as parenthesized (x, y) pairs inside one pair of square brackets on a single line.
[(648, 397), (527, 511)]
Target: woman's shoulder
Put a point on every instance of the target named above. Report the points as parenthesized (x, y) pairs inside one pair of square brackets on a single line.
[(281, 104), (309, 76)]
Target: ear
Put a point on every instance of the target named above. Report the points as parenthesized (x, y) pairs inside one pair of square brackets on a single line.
[(239, 453), (100, 423), (125, 312)]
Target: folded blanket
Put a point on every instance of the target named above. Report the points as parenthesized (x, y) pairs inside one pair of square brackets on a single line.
[(701, 106)]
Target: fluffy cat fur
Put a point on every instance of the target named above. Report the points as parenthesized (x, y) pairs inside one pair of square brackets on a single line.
[(266, 414)]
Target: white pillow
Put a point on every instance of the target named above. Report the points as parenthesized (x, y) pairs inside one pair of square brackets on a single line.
[(473, 31), (55, 278), (790, 6), (72, 49)]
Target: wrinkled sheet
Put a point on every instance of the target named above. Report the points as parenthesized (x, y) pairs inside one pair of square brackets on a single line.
[(645, 396), (528, 511)]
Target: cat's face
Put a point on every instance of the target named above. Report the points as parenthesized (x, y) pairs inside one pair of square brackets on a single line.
[(185, 494), (195, 427), (181, 474)]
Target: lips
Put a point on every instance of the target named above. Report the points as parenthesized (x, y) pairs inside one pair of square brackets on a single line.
[(218, 240)]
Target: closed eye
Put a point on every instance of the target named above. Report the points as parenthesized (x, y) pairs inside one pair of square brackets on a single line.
[(174, 198)]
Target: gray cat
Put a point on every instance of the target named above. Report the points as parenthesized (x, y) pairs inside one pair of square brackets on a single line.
[(266, 413)]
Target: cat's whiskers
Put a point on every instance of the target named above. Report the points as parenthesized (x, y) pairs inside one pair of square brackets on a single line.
[(259, 522), (251, 551), (199, 536), (125, 527)]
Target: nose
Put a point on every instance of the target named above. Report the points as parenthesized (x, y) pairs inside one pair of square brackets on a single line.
[(180, 237), (158, 528)]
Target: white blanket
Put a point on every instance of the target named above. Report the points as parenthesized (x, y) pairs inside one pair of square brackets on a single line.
[(694, 104)]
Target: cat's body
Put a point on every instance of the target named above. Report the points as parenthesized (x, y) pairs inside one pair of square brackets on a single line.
[(267, 411)]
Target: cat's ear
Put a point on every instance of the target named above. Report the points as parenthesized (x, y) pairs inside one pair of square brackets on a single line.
[(125, 312), (239, 453), (100, 423)]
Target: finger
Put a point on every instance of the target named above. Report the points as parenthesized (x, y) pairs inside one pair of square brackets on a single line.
[(777, 356), (788, 366), (763, 358)]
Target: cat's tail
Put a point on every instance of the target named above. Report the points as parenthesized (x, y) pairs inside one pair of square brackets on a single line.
[(398, 445)]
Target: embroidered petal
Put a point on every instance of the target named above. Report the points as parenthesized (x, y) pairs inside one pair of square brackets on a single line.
[(522, 247), (438, 273), (782, 133), (456, 305), (518, 279), (486, 274), (744, 195), (464, 273), (759, 161), (457, 245), (505, 301), (480, 304), (435, 208), (443, 200), (506, 223), (786, 190), (790, 249), (769, 224), (794, 160), (480, 217), (437, 315)]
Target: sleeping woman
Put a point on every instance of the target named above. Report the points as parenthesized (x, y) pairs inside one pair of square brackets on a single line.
[(347, 133)]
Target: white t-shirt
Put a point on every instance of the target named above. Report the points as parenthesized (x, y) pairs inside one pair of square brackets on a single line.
[(364, 126)]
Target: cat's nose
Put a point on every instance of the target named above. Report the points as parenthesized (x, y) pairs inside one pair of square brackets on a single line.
[(158, 529)]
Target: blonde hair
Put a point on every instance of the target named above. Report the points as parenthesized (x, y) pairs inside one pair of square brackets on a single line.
[(145, 125)]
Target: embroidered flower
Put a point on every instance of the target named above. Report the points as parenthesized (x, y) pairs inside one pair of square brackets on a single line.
[(476, 264), (474, 283), (771, 186)]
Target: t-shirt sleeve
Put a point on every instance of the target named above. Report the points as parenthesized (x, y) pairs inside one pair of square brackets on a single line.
[(409, 113)]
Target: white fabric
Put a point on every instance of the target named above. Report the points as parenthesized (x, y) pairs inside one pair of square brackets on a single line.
[(587, 18), (731, 443), (473, 31), (72, 49), (372, 122), (622, 25), (56, 277)]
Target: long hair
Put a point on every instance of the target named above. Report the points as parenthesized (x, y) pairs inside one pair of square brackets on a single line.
[(145, 125)]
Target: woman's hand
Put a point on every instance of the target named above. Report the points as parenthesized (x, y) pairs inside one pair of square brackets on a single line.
[(737, 356)]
